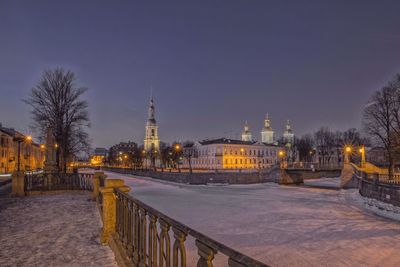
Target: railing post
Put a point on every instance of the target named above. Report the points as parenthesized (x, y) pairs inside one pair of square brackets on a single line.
[(109, 207), (96, 184), (206, 254), (18, 184), (179, 248)]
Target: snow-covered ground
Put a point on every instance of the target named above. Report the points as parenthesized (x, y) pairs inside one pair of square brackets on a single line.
[(278, 225), (51, 230)]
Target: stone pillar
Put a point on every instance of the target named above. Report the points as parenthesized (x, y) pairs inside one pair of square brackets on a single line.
[(50, 163), (346, 157), (96, 184), (109, 207), (18, 184)]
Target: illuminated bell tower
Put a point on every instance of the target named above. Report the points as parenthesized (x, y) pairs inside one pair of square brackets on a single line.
[(288, 134), (151, 140), (267, 134), (246, 135)]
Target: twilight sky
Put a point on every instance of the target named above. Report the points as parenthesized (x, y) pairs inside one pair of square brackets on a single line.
[(211, 64)]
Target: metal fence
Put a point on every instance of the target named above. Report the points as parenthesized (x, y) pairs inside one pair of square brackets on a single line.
[(58, 181), (145, 234), (312, 166)]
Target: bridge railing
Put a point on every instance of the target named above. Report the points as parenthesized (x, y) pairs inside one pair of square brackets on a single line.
[(58, 181), (379, 177), (312, 166), (145, 234)]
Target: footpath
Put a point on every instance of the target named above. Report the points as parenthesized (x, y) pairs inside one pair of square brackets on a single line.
[(51, 230)]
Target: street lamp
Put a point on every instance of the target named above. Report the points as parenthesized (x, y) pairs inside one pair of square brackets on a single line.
[(19, 140), (347, 151), (362, 152), (281, 155)]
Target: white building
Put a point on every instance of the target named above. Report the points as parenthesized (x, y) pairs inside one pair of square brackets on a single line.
[(288, 135), (246, 134), (267, 134), (228, 154), (151, 140)]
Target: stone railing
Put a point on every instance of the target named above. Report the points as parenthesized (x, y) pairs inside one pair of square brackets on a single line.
[(140, 235)]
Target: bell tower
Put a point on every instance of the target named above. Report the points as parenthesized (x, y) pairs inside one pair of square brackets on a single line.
[(151, 140), (267, 134), (246, 135)]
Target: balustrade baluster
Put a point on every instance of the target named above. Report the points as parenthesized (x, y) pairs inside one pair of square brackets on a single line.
[(165, 244), (152, 240), (136, 236), (143, 238), (179, 248), (125, 222), (206, 254), (130, 229)]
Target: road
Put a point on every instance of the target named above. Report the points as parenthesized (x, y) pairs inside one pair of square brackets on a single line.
[(278, 225)]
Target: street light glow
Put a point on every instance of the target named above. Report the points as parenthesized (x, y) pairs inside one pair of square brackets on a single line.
[(347, 149)]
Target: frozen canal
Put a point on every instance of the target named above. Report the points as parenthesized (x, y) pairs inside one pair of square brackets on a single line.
[(281, 226)]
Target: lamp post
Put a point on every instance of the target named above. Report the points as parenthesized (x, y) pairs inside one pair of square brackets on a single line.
[(177, 148), (20, 140), (347, 152), (362, 152), (281, 155)]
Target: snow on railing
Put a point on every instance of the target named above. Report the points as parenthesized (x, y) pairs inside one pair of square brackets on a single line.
[(144, 233)]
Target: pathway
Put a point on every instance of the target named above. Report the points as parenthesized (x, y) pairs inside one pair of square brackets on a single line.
[(51, 230)]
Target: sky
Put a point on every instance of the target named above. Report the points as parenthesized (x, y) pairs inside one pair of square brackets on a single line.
[(212, 65)]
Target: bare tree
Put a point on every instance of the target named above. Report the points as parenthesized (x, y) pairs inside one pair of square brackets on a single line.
[(325, 143), (304, 146), (56, 102), (189, 151), (381, 120)]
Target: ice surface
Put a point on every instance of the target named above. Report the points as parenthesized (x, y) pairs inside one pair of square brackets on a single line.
[(278, 225)]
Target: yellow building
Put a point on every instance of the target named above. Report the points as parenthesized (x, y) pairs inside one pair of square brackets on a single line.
[(31, 154)]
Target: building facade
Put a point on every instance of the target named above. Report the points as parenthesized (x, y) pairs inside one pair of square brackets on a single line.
[(225, 154), (31, 154)]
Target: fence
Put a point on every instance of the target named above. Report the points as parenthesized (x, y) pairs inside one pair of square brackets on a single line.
[(58, 181), (312, 166), (145, 235)]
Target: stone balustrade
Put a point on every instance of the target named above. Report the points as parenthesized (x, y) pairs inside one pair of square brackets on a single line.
[(141, 235)]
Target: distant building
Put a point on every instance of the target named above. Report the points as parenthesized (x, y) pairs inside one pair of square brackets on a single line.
[(288, 135), (246, 135), (118, 153), (267, 134), (151, 139), (223, 153), (31, 154), (100, 151)]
